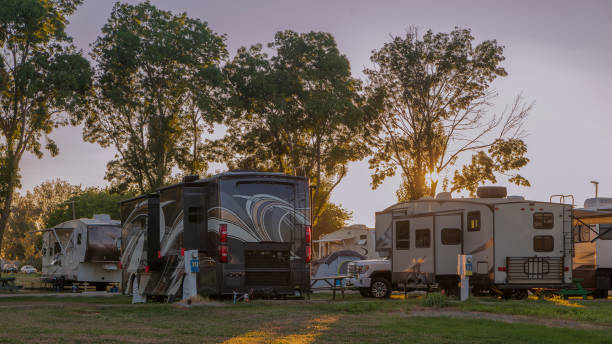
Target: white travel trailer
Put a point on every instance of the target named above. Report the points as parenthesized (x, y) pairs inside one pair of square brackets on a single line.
[(593, 244), (82, 250), (516, 244), (358, 238)]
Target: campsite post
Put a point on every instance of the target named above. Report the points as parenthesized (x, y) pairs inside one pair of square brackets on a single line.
[(464, 270)]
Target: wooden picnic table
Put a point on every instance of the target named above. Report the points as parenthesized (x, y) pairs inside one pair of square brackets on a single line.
[(8, 283), (334, 283)]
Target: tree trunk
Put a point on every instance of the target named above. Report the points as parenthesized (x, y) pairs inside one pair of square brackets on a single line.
[(6, 209)]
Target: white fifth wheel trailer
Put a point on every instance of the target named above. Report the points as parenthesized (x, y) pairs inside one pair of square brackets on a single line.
[(82, 250), (516, 244), (593, 244)]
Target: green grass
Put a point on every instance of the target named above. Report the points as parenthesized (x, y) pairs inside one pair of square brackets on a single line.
[(588, 310), (355, 319)]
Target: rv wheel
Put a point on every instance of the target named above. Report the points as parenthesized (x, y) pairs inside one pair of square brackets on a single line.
[(380, 288), (365, 292)]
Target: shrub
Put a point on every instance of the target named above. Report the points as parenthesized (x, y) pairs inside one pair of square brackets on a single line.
[(435, 300)]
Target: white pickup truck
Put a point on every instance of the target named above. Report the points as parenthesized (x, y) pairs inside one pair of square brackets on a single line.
[(371, 277)]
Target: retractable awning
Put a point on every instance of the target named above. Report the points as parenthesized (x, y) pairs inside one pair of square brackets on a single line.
[(591, 217)]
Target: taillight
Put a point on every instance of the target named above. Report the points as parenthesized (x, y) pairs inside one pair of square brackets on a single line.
[(501, 268), (120, 266), (308, 235), (223, 232), (147, 268), (566, 269), (223, 253), (308, 253)]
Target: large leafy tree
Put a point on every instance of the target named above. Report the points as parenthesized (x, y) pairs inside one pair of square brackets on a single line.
[(31, 212), (44, 83), (434, 98), (158, 87), (297, 111), (86, 204)]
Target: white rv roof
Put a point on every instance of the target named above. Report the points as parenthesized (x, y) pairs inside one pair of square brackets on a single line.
[(487, 201)]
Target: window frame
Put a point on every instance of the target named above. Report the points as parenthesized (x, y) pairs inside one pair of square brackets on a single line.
[(403, 240), (552, 217), (536, 237), (604, 233), (446, 242), (416, 238), (473, 215)]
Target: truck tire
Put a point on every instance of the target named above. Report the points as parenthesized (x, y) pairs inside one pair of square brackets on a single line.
[(365, 292), (380, 288)]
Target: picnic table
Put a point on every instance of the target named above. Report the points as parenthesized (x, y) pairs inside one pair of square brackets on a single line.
[(333, 283), (8, 283)]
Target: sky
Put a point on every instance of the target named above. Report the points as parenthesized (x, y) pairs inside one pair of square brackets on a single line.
[(558, 55)]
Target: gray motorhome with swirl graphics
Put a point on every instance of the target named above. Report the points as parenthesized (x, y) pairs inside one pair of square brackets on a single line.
[(238, 231)]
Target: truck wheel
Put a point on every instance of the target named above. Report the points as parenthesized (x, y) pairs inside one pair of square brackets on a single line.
[(365, 292), (380, 288)]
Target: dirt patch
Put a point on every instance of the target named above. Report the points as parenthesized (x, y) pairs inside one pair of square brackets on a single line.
[(509, 318)]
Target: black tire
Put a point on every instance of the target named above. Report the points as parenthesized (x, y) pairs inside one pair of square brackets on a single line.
[(365, 292), (380, 288)]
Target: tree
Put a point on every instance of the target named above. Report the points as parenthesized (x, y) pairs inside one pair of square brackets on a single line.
[(30, 213), (44, 84), (87, 203), (296, 112), (158, 85), (433, 98), (334, 217)]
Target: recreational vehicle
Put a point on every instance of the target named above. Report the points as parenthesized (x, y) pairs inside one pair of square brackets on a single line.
[(83, 250), (516, 244), (358, 238), (593, 244), (235, 232)]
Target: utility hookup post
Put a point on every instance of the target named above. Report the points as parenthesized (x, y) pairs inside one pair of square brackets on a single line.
[(464, 270)]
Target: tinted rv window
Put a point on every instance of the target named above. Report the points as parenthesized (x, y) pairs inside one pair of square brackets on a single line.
[(543, 243), (195, 215), (402, 235), (543, 220), (582, 233), (422, 238), (79, 239), (58, 248), (605, 231), (473, 221), (451, 236), (44, 252)]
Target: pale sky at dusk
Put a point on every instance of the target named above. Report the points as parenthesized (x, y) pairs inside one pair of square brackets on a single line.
[(558, 54)]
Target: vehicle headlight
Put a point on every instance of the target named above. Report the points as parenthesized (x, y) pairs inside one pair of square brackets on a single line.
[(363, 269)]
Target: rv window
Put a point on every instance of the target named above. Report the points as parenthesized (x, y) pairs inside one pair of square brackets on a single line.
[(605, 231), (363, 237), (79, 239), (451, 236), (422, 238), (543, 220), (44, 251), (195, 215), (58, 248), (402, 235), (543, 243), (582, 233), (473, 221)]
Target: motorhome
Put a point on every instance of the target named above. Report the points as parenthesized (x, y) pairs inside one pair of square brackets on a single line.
[(82, 250), (593, 244), (516, 244), (235, 232)]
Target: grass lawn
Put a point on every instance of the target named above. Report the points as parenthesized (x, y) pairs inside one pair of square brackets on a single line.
[(113, 319)]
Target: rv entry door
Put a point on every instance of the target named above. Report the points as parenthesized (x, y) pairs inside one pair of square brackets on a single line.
[(448, 240), (412, 252)]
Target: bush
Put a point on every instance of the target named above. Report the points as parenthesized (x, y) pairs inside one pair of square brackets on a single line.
[(435, 300)]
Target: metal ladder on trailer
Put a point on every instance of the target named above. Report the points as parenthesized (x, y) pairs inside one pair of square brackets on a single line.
[(568, 232)]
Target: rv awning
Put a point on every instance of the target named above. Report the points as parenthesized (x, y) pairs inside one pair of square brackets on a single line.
[(592, 217)]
